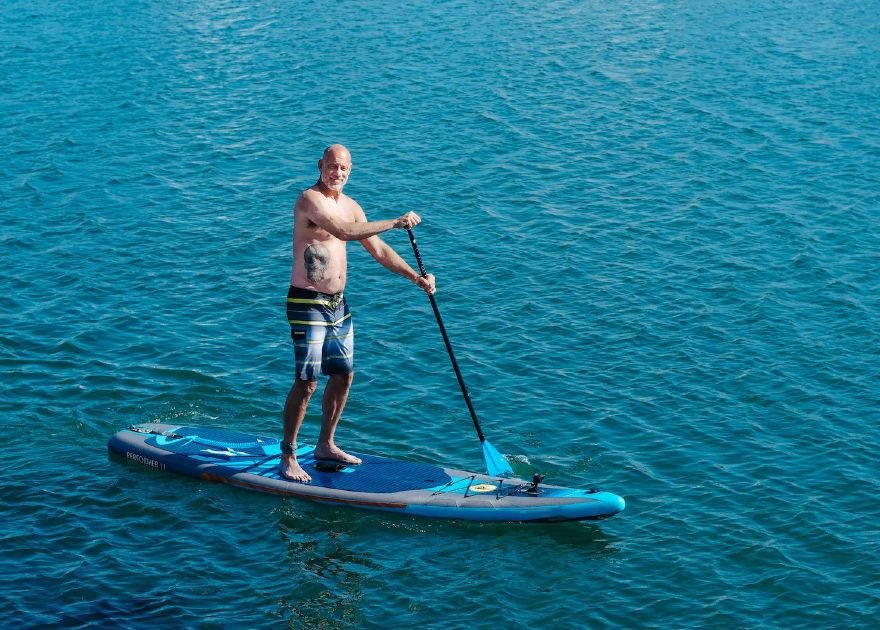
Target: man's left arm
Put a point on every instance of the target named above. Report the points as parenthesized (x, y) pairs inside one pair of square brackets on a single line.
[(391, 260)]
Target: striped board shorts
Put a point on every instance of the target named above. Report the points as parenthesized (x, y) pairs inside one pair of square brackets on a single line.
[(322, 333)]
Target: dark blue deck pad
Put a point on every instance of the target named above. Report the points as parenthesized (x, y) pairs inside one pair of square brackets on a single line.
[(242, 452), (378, 474)]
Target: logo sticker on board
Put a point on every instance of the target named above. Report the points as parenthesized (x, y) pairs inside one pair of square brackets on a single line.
[(483, 487)]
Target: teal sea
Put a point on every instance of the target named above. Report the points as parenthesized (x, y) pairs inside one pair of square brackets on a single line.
[(656, 232)]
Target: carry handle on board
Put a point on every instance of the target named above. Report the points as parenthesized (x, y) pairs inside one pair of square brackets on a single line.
[(496, 464)]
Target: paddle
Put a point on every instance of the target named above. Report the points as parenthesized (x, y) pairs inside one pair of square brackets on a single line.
[(495, 462)]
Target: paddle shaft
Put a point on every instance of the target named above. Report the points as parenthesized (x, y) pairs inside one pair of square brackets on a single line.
[(464, 391)]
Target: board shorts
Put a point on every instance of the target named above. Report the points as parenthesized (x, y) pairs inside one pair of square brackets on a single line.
[(322, 333)]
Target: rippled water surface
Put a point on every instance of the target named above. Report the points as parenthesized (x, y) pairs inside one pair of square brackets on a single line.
[(655, 227)]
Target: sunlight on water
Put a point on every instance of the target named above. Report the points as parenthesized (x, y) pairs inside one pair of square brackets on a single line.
[(655, 231)]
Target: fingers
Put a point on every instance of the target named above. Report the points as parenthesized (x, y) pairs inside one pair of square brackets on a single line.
[(428, 283), (409, 220)]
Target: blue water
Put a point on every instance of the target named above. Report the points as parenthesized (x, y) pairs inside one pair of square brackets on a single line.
[(655, 228)]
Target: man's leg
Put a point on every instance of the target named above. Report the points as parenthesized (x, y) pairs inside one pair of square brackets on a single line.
[(335, 395), (294, 412)]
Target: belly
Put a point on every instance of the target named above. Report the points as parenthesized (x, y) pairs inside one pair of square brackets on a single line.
[(320, 267)]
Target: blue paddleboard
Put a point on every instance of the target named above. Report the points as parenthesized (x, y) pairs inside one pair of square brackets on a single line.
[(379, 483)]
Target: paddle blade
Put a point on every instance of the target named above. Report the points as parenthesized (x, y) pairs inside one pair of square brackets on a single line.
[(495, 462)]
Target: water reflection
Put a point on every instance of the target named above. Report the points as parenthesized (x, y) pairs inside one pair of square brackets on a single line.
[(335, 560)]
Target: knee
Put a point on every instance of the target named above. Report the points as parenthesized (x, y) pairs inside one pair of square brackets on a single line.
[(306, 387), (344, 379)]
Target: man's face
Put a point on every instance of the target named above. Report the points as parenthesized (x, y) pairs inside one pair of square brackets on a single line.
[(335, 168)]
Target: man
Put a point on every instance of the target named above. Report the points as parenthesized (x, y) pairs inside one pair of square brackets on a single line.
[(324, 220)]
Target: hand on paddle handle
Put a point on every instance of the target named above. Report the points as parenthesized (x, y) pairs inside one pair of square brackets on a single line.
[(407, 221), (427, 283)]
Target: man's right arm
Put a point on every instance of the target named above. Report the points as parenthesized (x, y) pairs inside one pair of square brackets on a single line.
[(351, 230)]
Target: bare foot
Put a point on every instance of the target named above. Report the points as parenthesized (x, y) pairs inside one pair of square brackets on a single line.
[(292, 471), (336, 454)]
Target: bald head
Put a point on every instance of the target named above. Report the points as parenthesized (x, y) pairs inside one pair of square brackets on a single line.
[(338, 151)]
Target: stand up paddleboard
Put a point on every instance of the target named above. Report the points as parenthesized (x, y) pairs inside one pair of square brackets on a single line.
[(379, 483)]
